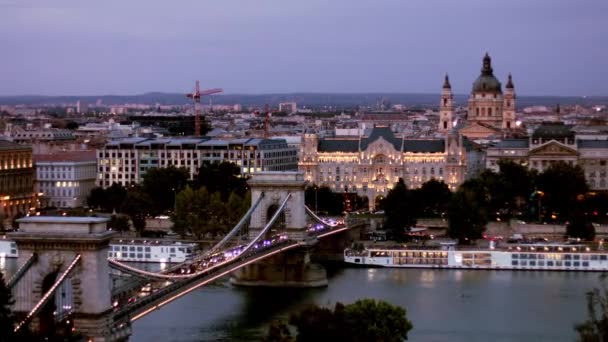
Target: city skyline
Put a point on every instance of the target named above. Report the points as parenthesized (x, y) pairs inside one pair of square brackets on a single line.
[(550, 47)]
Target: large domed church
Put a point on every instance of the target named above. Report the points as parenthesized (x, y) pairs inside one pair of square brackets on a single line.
[(490, 111)]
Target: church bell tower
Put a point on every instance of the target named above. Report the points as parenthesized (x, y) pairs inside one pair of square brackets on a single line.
[(446, 107)]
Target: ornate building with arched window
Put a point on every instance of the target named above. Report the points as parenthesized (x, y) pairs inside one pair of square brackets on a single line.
[(370, 165)]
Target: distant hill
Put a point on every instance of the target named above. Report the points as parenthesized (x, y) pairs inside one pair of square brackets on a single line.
[(303, 99)]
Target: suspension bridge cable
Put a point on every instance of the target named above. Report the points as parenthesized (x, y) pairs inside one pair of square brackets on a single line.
[(238, 227), (269, 224), (48, 293), (22, 270)]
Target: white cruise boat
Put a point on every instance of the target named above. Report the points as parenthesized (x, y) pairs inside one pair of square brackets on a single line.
[(151, 251), (8, 248), (547, 257)]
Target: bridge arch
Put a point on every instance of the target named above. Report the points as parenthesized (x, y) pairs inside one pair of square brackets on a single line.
[(71, 268), (274, 187)]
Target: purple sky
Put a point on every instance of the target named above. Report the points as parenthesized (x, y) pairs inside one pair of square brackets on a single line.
[(67, 47)]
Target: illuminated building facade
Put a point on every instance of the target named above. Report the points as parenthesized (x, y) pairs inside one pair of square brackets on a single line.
[(552, 143), (370, 166), (16, 180), (64, 180), (126, 161)]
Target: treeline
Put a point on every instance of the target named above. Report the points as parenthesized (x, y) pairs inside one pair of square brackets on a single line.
[(558, 195), (217, 196)]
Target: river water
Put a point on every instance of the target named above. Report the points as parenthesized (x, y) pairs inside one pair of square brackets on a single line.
[(443, 305)]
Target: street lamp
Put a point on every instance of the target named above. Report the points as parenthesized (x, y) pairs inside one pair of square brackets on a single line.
[(174, 200), (539, 195)]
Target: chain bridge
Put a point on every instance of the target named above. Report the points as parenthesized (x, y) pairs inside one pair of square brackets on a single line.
[(66, 280)]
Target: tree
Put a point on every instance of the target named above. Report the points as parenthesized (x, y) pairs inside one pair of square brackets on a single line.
[(323, 199), (119, 223), (362, 321), (517, 180), (224, 177), (137, 205), (595, 328), (97, 198), (467, 213), (581, 227), (7, 320), (236, 207), (162, 185), (372, 320), (399, 211), (562, 185), (114, 196), (432, 199), (192, 212)]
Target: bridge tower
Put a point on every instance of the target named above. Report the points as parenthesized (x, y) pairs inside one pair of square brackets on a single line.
[(292, 268), (61, 244)]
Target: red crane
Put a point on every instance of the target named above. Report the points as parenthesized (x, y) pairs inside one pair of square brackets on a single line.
[(267, 114), (196, 96)]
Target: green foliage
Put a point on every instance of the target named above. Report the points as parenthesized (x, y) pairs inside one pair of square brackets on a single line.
[(362, 321), (399, 210), (109, 199), (431, 199), (192, 212), (200, 212), (595, 328), (467, 213), (137, 205), (162, 185), (562, 185), (581, 227), (119, 223), (223, 178), (372, 320), (7, 320), (278, 332), (323, 200)]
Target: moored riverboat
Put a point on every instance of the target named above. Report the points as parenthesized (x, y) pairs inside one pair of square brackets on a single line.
[(8, 248), (546, 256), (151, 251)]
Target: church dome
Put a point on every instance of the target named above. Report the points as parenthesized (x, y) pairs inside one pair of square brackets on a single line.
[(487, 82)]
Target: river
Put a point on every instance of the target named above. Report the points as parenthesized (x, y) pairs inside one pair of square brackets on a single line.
[(443, 305)]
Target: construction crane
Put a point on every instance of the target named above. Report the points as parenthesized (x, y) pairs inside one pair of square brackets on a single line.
[(267, 114), (196, 97)]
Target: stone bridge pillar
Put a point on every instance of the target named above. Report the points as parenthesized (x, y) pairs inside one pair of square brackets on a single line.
[(292, 268), (57, 241), (276, 186)]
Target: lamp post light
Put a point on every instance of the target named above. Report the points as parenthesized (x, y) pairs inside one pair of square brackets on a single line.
[(540, 195)]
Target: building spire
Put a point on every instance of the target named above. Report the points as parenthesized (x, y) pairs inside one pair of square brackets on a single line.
[(446, 82), (509, 82), (487, 65)]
